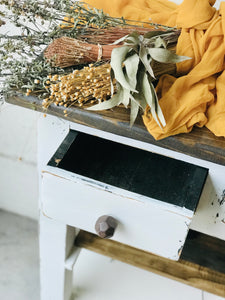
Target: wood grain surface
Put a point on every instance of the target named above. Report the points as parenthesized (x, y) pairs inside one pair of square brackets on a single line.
[(200, 143), (183, 271)]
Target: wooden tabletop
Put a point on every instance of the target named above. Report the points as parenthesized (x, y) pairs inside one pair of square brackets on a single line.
[(200, 143)]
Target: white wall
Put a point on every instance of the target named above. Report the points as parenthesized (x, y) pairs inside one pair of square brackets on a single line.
[(18, 156), (18, 160)]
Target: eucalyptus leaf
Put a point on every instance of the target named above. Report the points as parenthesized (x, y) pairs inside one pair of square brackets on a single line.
[(133, 38), (112, 77), (150, 97), (159, 42), (134, 108), (117, 58), (125, 97), (124, 94), (131, 66), (158, 108), (152, 34), (122, 39), (143, 54), (166, 56), (114, 101), (140, 99)]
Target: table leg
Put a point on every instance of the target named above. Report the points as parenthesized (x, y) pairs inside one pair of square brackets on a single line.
[(56, 242)]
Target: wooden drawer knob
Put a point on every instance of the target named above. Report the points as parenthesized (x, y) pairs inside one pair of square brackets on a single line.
[(105, 226)]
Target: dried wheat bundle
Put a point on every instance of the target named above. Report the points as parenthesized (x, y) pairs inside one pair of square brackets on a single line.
[(65, 52), (89, 85)]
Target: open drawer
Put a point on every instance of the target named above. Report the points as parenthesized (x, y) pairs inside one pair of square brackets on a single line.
[(152, 197)]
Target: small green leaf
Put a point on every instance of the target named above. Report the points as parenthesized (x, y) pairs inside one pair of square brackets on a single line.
[(166, 56), (117, 58), (27, 86)]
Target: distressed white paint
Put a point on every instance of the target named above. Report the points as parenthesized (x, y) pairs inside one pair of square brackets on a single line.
[(205, 211), (65, 200), (144, 223), (56, 242), (51, 132), (205, 219)]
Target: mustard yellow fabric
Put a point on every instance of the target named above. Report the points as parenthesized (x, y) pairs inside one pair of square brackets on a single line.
[(197, 98)]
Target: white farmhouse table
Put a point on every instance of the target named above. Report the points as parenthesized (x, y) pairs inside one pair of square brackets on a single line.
[(160, 203)]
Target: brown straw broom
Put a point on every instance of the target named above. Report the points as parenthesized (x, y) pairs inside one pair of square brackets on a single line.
[(65, 52), (106, 36)]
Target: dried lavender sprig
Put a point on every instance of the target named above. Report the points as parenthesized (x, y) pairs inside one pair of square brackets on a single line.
[(28, 76), (80, 16)]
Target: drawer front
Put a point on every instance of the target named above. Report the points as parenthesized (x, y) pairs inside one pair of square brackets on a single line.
[(146, 225), (153, 198)]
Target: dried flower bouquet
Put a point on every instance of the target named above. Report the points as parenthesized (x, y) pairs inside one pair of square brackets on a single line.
[(50, 45)]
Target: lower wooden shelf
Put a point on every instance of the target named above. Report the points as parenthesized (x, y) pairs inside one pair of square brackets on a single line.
[(202, 263)]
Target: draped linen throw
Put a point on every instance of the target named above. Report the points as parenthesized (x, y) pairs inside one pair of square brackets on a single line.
[(197, 98)]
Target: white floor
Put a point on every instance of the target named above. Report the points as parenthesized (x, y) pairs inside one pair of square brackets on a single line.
[(19, 265), (95, 277)]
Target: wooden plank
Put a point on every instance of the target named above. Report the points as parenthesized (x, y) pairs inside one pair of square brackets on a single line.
[(183, 271), (200, 143), (204, 250)]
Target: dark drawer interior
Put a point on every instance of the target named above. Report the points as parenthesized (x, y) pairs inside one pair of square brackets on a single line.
[(139, 171)]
